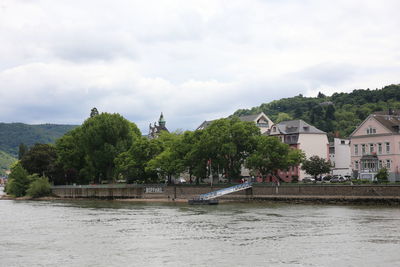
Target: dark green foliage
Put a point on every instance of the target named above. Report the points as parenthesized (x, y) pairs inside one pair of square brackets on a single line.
[(22, 149), (227, 143), (41, 159), (316, 166), (88, 152), (39, 187), (103, 138), (271, 155), (131, 165), (18, 181), (338, 114), (382, 175)]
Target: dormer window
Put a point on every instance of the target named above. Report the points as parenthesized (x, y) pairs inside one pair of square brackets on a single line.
[(274, 129), (262, 123), (306, 128), (371, 130)]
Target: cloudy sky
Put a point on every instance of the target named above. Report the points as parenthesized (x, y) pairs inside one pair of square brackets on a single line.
[(192, 60)]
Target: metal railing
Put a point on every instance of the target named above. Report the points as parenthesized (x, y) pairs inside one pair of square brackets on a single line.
[(225, 191)]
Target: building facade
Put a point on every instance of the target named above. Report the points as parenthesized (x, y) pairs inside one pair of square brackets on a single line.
[(375, 144), (339, 156), (300, 135), (155, 130), (261, 120)]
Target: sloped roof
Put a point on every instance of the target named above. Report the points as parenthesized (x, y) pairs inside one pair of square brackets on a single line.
[(391, 122), (249, 117), (389, 119), (297, 127), (205, 124)]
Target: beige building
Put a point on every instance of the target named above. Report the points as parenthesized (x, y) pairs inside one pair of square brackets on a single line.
[(301, 135)]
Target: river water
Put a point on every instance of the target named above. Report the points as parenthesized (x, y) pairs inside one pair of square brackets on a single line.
[(111, 233)]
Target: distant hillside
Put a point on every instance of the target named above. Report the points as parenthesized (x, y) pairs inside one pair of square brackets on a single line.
[(13, 134), (5, 161), (338, 114)]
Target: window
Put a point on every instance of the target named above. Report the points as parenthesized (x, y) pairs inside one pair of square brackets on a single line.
[(388, 164), (356, 165), (387, 147), (342, 142), (380, 164), (274, 129), (379, 148), (363, 149), (355, 149), (371, 148), (371, 130)]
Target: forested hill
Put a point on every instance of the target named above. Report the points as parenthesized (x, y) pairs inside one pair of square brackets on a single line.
[(13, 134), (338, 114)]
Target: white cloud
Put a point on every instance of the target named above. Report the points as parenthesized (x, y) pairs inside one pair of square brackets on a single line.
[(193, 60)]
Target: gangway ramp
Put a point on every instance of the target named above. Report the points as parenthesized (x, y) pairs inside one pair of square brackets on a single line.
[(208, 197)]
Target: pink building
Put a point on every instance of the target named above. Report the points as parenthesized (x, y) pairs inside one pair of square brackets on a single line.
[(376, 144)]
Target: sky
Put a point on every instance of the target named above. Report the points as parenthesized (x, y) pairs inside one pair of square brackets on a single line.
[(191, 60)]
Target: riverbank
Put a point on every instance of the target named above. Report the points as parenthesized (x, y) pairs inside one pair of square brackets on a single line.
[(258, 191), (342, 200), (288, 193)]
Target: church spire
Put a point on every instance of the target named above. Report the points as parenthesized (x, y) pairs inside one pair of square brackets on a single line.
[(161, 121)]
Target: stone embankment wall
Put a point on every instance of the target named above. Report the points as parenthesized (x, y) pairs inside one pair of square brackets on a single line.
[(258, 192)]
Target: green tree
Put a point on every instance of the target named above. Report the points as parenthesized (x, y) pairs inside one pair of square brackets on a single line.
[(382, 175), (282, 116), (170, 162), (103, 138), (71, 158), (227, 143), (131, 165), (271, 156), (41, 159), (315, 166), (18, 181)]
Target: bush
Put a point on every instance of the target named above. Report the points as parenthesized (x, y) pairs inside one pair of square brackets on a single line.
[(18, 181), (40, 187), (382, 175), (361, 181)]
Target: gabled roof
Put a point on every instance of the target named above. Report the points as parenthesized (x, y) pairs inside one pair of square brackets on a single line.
[(249, 117), (391, 122), (204, 125), (253, 118), (297, 127), (388, 119)]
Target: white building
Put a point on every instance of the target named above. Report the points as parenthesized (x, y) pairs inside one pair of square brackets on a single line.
[(340, 157)]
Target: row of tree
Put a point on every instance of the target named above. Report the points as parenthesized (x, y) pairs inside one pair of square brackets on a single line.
[(107, 147)]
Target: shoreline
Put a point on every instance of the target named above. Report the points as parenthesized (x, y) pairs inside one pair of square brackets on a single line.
[(289, 199)]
